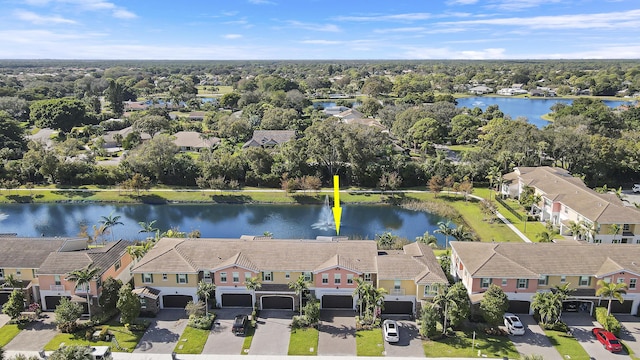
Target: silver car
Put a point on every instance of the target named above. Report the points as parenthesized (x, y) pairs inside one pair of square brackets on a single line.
[(391, 331)]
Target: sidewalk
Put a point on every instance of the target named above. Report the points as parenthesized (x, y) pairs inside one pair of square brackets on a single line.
[(507, 222)]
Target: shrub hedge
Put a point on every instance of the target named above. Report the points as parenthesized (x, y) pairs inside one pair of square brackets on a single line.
[(609, 323)]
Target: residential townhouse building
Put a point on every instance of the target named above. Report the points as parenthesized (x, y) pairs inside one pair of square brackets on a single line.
[(112, 260), (172, 269), (523, 269), (566, 199)]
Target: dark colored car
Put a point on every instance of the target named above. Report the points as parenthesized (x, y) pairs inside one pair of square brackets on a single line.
[(570, 306), (240, 324), (607, 339)]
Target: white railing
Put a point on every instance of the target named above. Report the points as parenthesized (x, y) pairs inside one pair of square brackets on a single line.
[(396, 292), (56, 287)]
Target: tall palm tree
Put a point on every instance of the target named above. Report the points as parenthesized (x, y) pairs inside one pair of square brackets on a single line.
[(83, 277), (204, 291), (576, 229), (446, 230), (545, 237), (299, 286), (377, 301), (252, 285), (428, 240), (148, 228), (442, 301), (611, 290), (460, 233), (359, 292), (548, 305), (10, 281), (492, 175), (614, 230), (110, 221)]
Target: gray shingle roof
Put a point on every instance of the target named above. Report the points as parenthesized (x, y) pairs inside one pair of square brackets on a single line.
[(270, 137), (59, 263), (417, 262), (27, 253)]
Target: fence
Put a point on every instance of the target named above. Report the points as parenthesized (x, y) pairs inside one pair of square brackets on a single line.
[(511, 210)]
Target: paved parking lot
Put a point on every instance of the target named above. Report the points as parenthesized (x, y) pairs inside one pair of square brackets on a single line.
[(534, 341), (581, 324), (163, 332), (272, 333), (35, 336), (410, 344), (221, 339), (337, 333), (630, 333)]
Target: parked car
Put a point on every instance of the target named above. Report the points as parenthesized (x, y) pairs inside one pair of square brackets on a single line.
[(391, 331), (636, 188), (513, 324), (570, 306), (101, 352), (607, 339), (240, 324)]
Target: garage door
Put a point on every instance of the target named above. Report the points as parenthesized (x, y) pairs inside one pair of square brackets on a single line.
[(52, 301), (277, 302), (519, 307), (398, 307), (337, 302), (176, 301), (624, 308), (236, 300), (4, 297)]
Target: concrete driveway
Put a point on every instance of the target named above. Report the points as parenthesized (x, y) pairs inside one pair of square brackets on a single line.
[(534, 341), (221, 340), (581, 324), (630, 333), (337, 333), (35, 336), (272, 333), (410, 344), (163, 332)]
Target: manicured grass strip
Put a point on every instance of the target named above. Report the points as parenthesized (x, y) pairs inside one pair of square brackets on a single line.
[(248, 338), (303, 342), (567, 345), (486, 231), (7, 333), (369, 342), (126, 339), (192, 341), (461, 344)]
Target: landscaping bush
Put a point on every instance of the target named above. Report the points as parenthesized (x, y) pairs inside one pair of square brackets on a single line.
[(609, 323), (203, 322)]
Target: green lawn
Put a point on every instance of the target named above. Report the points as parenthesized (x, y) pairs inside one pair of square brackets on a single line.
[(567, 345), (473, 216), (248, 338), (192, 341), (303, 342), (462, 345), (369, 342), (7, 333), (126, 339)]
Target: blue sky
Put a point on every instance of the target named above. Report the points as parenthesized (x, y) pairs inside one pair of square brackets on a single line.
[(319, 29)]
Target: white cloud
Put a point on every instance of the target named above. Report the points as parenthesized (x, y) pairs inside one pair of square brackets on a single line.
[(447, 53), (124, 14), (396, 17), (41, 19), (461, 2), (518, 5), (86, 5), (313, 27), (322, 42), (232, 36), (399, 30), (262, 2)]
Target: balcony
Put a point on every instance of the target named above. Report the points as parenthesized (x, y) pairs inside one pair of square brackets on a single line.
[(397, 292), (56, 287), (207, 280)]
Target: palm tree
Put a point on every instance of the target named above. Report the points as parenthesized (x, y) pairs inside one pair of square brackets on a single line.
[(359, 292), (548, 305), (576, 229), (147, 227), (614, 230), (10, 281), (110, 221), (252, 285), (545, 237), (446, 230), (443, 301), (386, 240), (428, 240), (377, 300), (493, 175), (460, 233), (611, 290), (84, 276), (592, 230), (299, 286), (204, 292)]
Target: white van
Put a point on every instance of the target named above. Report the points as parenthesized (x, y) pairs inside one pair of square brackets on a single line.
[(101, 352)]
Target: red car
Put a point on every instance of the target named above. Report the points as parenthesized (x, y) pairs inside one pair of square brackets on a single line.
[(607, 339)]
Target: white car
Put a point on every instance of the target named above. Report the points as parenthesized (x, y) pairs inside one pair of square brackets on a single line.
[(391, 331), (636, 188), (513, 324)]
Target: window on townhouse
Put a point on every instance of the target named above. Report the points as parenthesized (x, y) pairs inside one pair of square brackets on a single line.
[(638, 241), (223, 277), (267, 276), (56, 279), (367, 277), (485, 282), (182, 278), (117, 265), (543, 280), (620, 280), (625, 240), (307, 276), (34, 273), (337, 278), (143, 303), (632, 283), (523, 283), (18, 272), (615, 241), (584, 281), (349, 278), (287, 275), (165, 277), (1, 273), (236, 277), (597, 241), (626, 227), (430, 290), (397, 285), (247, 276), (325, 278), (607, 279), (206, 275), (505, 282), (147, 278), (563, 279)]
